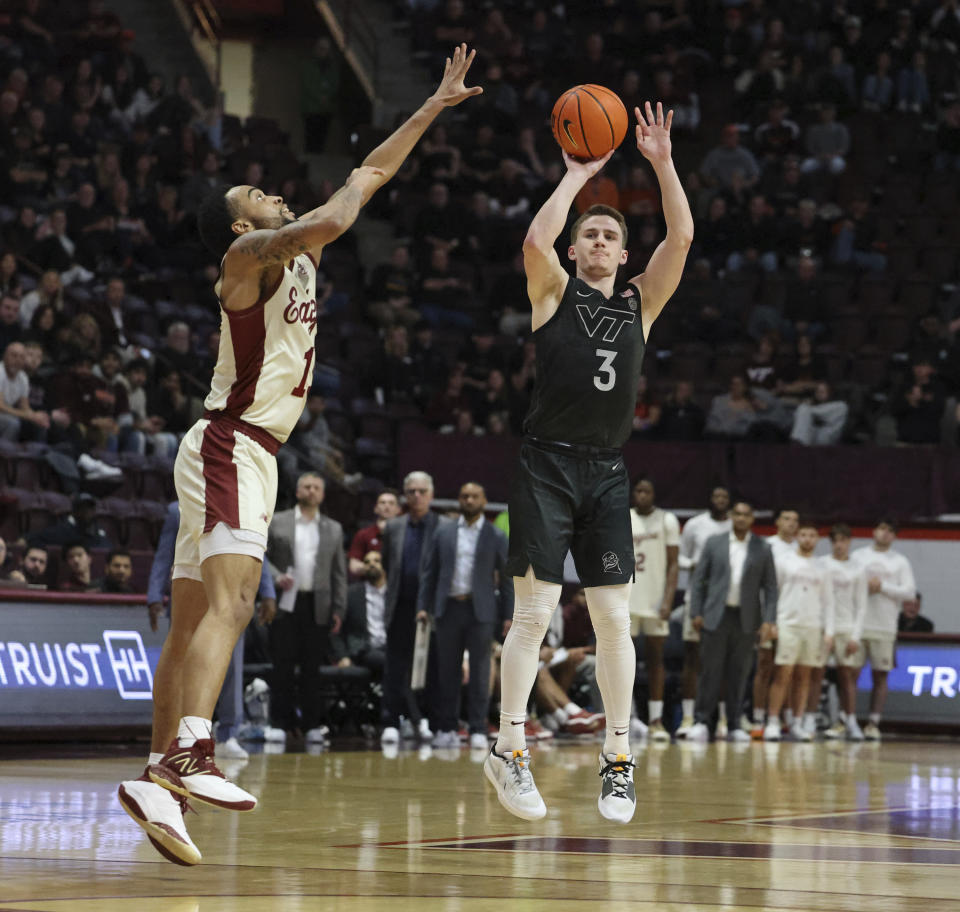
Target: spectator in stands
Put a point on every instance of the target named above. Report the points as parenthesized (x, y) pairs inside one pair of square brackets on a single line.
[(176, 352), (646, 412), (804, 234), (362, 638), (34, 568), (913, 90), (17, 419), (758, 83), (305, 551), (429, 365), (448, 404), (804, 308), (820, 421), (761, 369), (507, 300), (438, 224), (10, 329), (77, 558), (94, 409), (49, 292), (856, 241), (732, 43), (8, 573), (147, 429), (732, 414), (910, 619), (81, 339), (836, 82), (468, 594), (724, 163), (80, 525), (445, 293), (682, 418), (319, 93), (391, 289), (170, 402), (799, 376), (828, 143), (777, 136), (877, 92), (369, 538), (715, 236), (313, 436), (407, 541), (391, 377), (121, 317), (756, 239), (919, 405)]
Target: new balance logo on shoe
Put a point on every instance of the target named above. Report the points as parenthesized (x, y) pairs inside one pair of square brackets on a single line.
[(184, 763)]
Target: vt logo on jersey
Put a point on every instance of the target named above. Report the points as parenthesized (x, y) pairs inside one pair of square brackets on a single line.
[(607, 320)]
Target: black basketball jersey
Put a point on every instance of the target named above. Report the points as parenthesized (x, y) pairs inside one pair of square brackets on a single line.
[(589, 355)]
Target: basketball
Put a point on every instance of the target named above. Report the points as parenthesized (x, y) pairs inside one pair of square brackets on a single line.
[(588, 121)]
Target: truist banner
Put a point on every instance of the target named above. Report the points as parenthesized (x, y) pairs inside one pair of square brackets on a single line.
[(76, 664)]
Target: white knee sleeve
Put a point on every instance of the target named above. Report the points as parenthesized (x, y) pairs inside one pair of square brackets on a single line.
[(534, 604), (616, 658)]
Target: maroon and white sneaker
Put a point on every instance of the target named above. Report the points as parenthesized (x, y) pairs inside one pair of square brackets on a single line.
[(534, 731), (192, 772), (159, 813), (584, 723)]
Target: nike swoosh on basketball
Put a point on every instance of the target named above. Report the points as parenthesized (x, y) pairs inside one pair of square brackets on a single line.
[(566, 129)]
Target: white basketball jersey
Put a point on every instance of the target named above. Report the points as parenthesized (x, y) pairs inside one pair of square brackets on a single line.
[(265, 364), (651, 536), (696, 531), (849, 594)]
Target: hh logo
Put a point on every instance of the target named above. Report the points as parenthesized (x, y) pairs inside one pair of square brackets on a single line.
[(611, 563), (128, 659), (607, 320)]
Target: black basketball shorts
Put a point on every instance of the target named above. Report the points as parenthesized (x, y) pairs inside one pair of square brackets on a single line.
[(575, 498)]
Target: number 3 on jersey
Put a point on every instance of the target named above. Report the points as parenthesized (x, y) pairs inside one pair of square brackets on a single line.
[(606, 376)]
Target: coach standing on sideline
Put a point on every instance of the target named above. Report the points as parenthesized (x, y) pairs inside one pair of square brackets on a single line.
[(732, 596), (305, 550), (407, 540), (468, 592)]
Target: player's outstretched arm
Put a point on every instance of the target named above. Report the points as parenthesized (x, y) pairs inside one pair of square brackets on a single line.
[(546, 278), (663, 272), (390, 154), (265, 247)]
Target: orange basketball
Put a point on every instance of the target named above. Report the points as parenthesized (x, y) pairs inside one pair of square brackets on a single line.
[(588, 121)]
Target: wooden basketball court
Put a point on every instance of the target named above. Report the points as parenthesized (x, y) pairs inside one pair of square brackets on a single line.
[(722, 826)]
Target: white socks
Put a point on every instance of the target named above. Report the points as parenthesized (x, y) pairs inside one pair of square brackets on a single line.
[(687, 708), (534, 604), (193, 729), (722, 713), (616, 660), (758, 715), (874, 718), (655, 710), (154, 758)]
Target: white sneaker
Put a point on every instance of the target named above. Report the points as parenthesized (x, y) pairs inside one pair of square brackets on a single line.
[(799, 733), (317, 735), (810, 724), (745, 723), (771, 731), (446, 740), (516, 790), (159, 814), (274, 735), (478, 741), (638, 729), (423, 731), (854, 732), (686, 723), (231, 750), (658, 733), (835, 731), (390, 735), (721, 732), (871, 732), (618, 796), (96, 470), (191, 772), (739, 736), (698, 732)]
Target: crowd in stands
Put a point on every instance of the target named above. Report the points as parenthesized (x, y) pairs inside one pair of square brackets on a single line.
[(819, 144)]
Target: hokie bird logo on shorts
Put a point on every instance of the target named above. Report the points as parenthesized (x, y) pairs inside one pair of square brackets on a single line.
[(611, 563)]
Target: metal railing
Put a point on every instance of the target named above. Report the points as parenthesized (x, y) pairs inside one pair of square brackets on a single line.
[(357, 40)]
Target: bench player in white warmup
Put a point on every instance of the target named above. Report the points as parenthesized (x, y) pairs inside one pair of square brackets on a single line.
[(226, 470)]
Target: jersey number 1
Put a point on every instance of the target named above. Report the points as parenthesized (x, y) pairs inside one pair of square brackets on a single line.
[(609, 375), (301, 388)]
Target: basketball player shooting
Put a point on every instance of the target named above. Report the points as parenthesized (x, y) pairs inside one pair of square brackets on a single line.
[(226, 470), (572, 490)]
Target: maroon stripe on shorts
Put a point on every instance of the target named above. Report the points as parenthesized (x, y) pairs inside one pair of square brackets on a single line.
[(264, 438), (221, 495)]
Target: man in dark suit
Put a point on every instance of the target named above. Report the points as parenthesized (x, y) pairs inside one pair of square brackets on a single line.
[(362, 637), (469, 594), (733, 594), (407, 541), (305, 551)]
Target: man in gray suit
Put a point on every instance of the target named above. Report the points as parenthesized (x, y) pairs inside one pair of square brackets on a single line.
[(407, 540), (305, 551), (733, 594), (469, 594)]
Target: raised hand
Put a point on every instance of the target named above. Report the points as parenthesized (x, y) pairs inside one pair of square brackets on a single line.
[(585, 169), (451, 90), (653, 133)]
